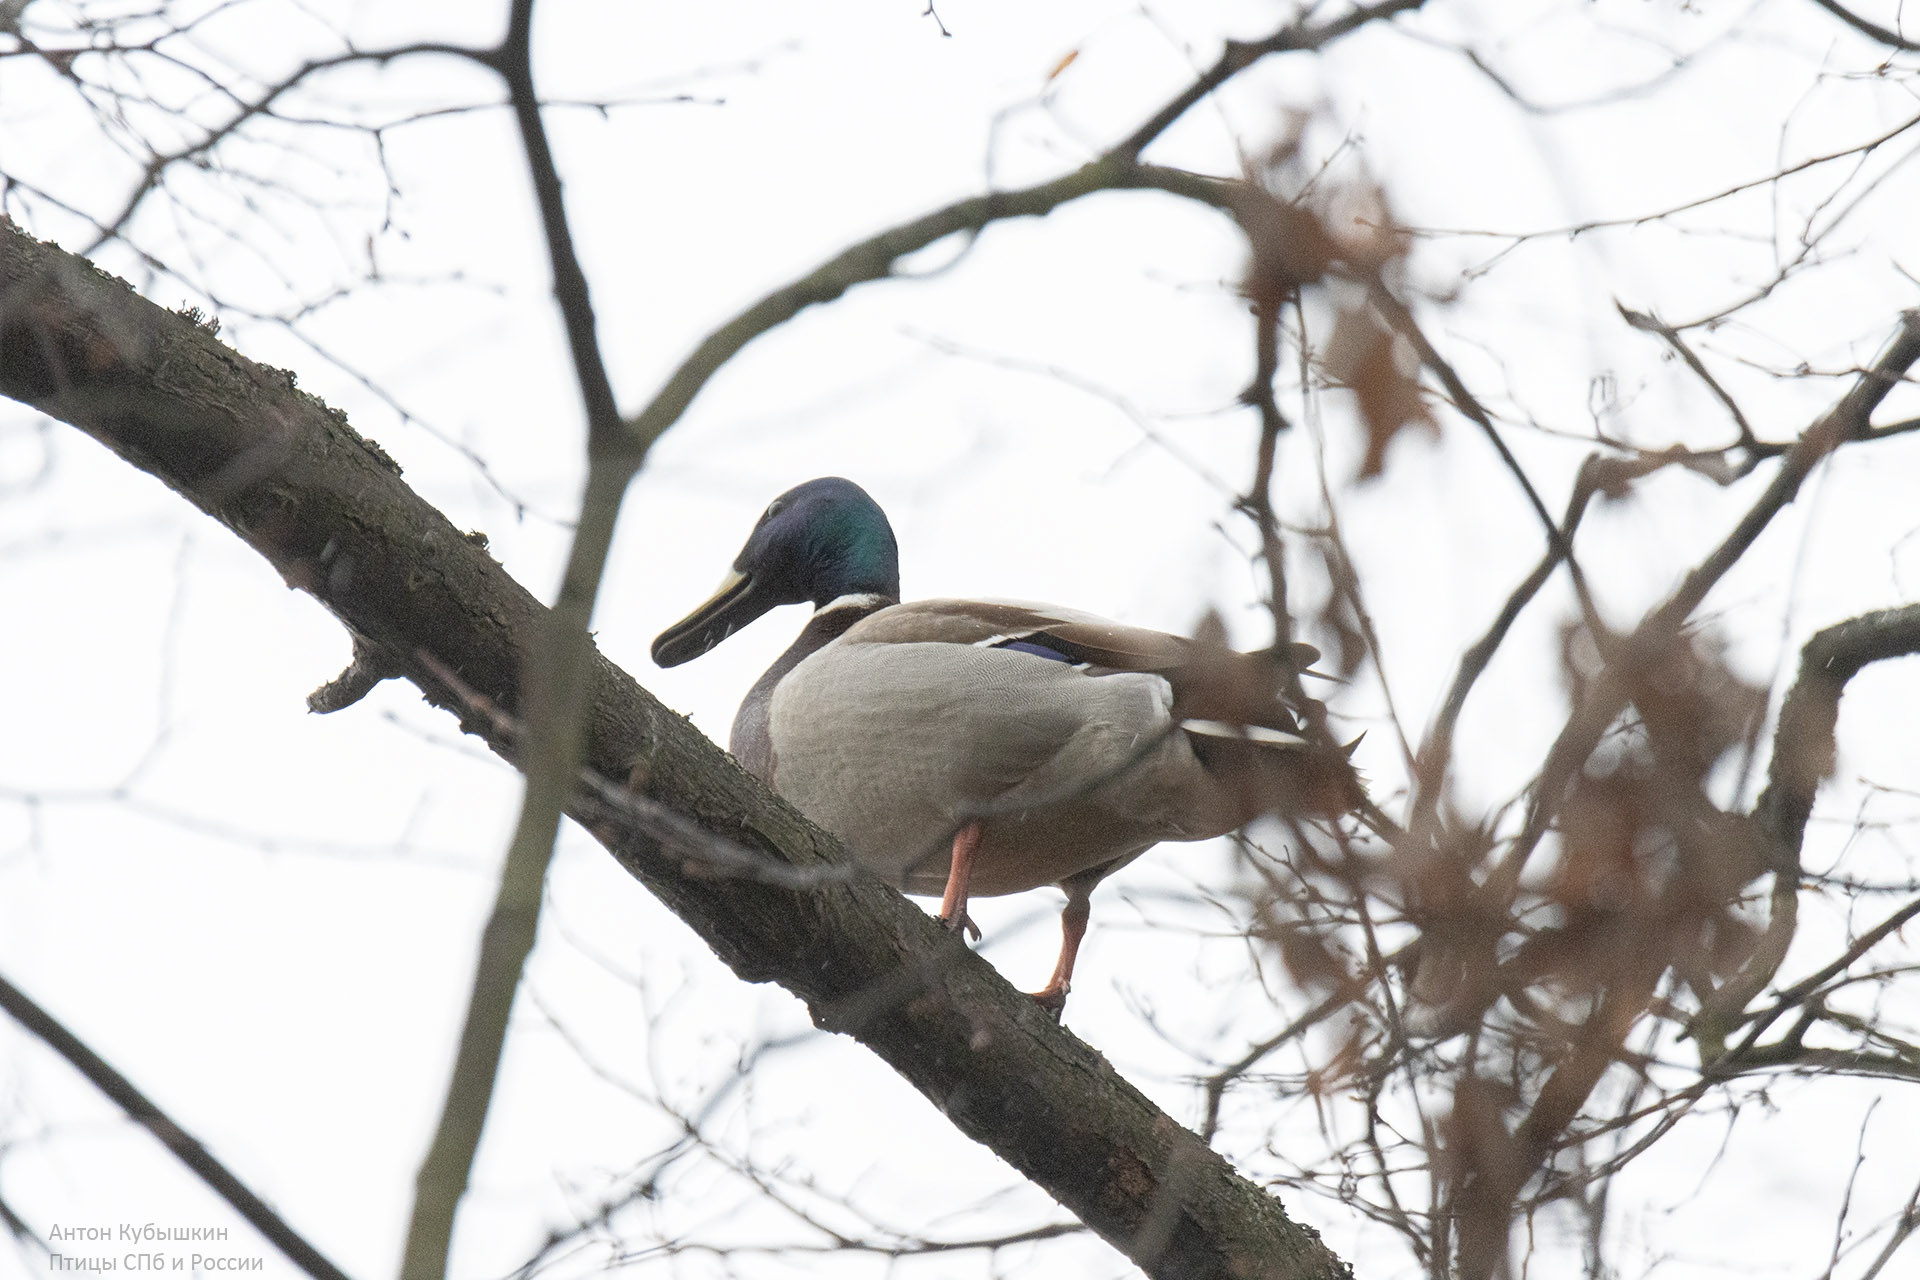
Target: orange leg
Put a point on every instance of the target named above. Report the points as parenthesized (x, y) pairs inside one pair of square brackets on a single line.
[(1073, 928), (953, 904)]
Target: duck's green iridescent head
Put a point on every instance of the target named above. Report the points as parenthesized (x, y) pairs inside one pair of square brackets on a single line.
[(817, 541)]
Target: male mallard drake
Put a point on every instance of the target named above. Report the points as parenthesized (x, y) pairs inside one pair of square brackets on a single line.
[(986, 746)]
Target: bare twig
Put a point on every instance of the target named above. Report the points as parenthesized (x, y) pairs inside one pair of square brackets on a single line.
[(1436, 752), (1653, 324), (1903, 1228), (1403, 322)]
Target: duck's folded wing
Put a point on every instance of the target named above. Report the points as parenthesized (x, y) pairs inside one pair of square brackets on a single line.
[(1073, 635), (1210, 681)]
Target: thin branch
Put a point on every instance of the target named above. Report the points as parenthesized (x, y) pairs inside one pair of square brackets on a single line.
[(1241, 54), (1258, 501), (1846, 1197), (1653, 324), (185, 1147), (1218, 1082), (1686, 206), (157, 164), (1401, 318), (1866, 942), (1903, 1228), (556, 686), (1872, 30), (874, 258), (1436, 752)]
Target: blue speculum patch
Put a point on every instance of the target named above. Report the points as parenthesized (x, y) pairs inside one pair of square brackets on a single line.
[(1034, 648)]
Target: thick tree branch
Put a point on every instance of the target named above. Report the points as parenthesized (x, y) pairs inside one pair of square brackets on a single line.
[(1803, 741), (329, 511), (1803, 754)]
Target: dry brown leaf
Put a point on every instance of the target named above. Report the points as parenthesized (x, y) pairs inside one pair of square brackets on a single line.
[(1290, 247), (1363, 355)]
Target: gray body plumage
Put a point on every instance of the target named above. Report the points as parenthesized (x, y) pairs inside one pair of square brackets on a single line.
[(893, 746), (1067, 771)]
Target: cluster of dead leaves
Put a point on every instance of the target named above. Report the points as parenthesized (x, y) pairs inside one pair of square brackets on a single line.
[(1647, 862), (1297, 241)]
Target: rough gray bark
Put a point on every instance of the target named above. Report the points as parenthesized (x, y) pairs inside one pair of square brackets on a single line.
[(423, 600)]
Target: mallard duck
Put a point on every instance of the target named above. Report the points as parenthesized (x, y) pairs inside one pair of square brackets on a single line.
[(986, 747)]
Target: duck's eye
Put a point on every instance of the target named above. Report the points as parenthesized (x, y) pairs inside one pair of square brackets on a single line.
[(772, 511)]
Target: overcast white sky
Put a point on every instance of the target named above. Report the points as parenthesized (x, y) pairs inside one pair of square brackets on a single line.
[(268, 919)]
